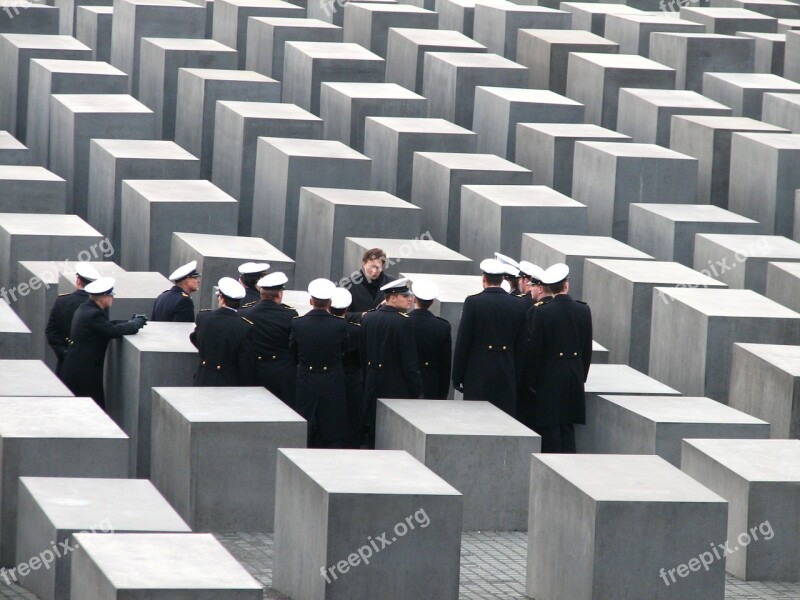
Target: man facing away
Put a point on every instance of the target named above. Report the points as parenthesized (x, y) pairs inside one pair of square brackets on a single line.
[(434, 342)]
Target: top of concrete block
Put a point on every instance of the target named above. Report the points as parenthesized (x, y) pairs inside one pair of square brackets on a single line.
[(715, 302), (354, 89), (452, 288), (312, 148), (144, 149), (373, 472), (634, 150), (471, 162), (682, 409), (177, 561), (789, 98), (657, 18), (593, 246), (569, 36), (600, 7), (724, 13), (655, 272), (127, 284), (755, 80), (49, 271), (299, 22), (228, 405), (472, 3), (528, 96), (10, 321), (760, 35), (55, 417), (754, 460), (755, 246), (33, 41), (101, 103), (25, 378), (627, 478), (255, 3), (420, 125), (177, 190), (786, 358), (435, 37), (358, 197), (334, 50), (455, 417), (230, 74), (176, 3), (99, 10), (46, 225), (621, 61), (573, 130), (469, 60), (730, 123), (388, 8), (779, 141), (696, 35), (9, 142), (267, 110), (523, 195), (674, 98), (190, 44), (694, 213), (83, 67), (511, 7), (76, 503), (233, 246), (162, 336), (409, 249), (26, 173), (622, 379)]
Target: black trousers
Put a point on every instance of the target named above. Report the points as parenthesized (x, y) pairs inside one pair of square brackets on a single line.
[(558, 438)]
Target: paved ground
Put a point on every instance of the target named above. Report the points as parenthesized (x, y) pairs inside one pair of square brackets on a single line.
[(492, 566)]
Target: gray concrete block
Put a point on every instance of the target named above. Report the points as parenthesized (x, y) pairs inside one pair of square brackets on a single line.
[(547, 249), (112, 161), (545, 52), (548, 150), (368, 24), (220, 256), (52, 76), (420, 254), (31, 190), (12, 151), (729, 21), (595, 79), (327, 502), (779, 9), (392, 141), (494, 217), (709, 140), (658, 424), (741, 260), (591, 16), (31, 18), (77, 118), (326, 216), (623, 325), (68, 13), (230, 20), (436, 187), (474, 446), (238, 125), (785, 25), (16, 52), (332, 11), (632, 32), (175, 564), (283, 167), (667, 231), (615, 379), (765, 383), (137, 19), (646, 115), (610, 176), (198, 92), (307, 64), (744, 92), (134, 292), (573, 508), (705, 323), (93, 28), (693, 54), (759, 479), (52, 509), (203, 449), (766, 192), (406, 49), (770, 49), (16, 341), (345, 106), (497, 24), (450, 80), (267, 36), (162, 58), (159, 355), (791, 66), (22, 379), (53, 436), (783, 283), (457, 15), (498, 110), (782, 110)]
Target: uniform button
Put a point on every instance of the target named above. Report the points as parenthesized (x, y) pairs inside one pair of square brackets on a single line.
[(259, 358), (561, 354), (310, 368), (426, 364), (576, 354), (504, 347), (369, 363), (380, 366), (274, 357), (219, 367), (204, 362), (490, 347), (324, 368)]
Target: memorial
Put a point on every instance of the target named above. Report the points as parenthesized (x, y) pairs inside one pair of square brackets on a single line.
[(498, 23), (93, 28), (16, 342), (134, 292), (368, 24), (12, 151), (729, 21), (770, 51), (783, 283), (782, 110), (591, 16), (632, 32), (744, 92), (26, 189), (420, 254)]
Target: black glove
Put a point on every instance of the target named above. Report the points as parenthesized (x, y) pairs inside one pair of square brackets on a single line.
[(139, 320), (140, 316)]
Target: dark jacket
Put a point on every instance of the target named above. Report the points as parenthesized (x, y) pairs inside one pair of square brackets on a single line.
[(224, 342), (60, 323), (354, 385), (367, 294), (82, 370), (251, 297), (318, 344), (173, 305), (525, 394), (272, 327), (434, 352), (489, 347), (560, 353)]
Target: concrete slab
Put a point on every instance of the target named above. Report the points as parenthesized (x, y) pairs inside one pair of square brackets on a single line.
[(16, 342), (458, 15), (783, 283), (770, 50), (729, 21), (26, 189), (93, 28), (591, 16), (421, 255), (37, 19), (368, 24), (782, 110), (12, 151), (498, 23), (744, 92), (134, 292), (332, 12), (632, 32)]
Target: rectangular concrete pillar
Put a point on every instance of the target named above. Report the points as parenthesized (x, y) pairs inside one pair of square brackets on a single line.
[(591, 16), (30, 18), (12, 151), (420, 254), (498, 23), (729, 21), (368, 24), (770, 51), (31, 190), (782, 110), (134, 291), (744, 92), (783, 283), (632, 32), (93, 28), (16, 341)]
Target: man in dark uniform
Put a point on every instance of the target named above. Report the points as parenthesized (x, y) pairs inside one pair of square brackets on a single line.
[(560, 354), (491, 335), (389, 353), (249, 274), (530, 276), (272, 326), (368, 282), (538, 295), (318, 343), (512, 274), (176, 303), (434, 342), (351, 363), (224, 340), (82, 370), (60, 322)]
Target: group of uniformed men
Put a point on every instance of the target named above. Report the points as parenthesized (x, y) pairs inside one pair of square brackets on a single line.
[(523, 344)]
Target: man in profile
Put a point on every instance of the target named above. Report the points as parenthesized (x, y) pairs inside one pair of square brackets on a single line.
[(176, 304)]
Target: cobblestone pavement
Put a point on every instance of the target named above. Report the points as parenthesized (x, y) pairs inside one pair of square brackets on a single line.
[(492, 566)]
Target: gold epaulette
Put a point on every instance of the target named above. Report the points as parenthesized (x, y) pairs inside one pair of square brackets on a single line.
[(246, 320), (539, 303), (249, 304), (204, 310), (184, 294), (64, 294), (402, 314), (289, 306)]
